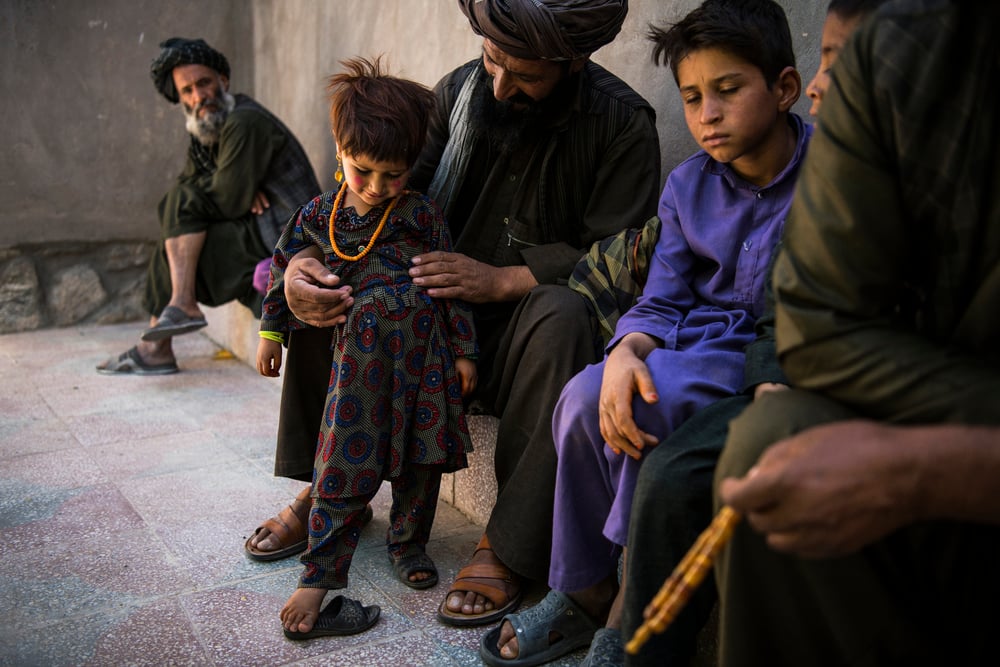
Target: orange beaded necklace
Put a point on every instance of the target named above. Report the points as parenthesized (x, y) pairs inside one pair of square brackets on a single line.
[(363, 250)]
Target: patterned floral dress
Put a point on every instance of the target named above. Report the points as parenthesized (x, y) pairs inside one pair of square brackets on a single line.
[(394, 396)]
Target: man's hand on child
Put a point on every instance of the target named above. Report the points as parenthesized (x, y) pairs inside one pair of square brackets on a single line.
[(314, 294)]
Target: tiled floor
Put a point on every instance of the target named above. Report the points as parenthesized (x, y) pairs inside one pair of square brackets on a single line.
[(124, 505)]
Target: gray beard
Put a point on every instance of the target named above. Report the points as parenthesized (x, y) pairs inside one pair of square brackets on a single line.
[(207, 129)]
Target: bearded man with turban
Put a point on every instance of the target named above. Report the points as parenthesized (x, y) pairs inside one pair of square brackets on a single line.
[(246, 173), (534, 153)]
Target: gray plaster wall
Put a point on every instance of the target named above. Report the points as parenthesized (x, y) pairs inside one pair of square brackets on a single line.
[(90, 146), (298, 43)]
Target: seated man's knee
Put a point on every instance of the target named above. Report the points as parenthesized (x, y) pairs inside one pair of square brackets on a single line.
[(772, 417), (556, 309)]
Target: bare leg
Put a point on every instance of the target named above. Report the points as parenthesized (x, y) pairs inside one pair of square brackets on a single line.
[(183, 253), (615, 612), (302, 609)]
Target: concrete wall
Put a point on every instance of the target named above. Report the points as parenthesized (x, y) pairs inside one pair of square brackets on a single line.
[(298, 43), (90, 147)]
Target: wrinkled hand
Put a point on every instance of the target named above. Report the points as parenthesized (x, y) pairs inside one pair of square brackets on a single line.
[(625, 373), (313, 294), (467, 374), (451, 275), (260, 203), (829, 490)]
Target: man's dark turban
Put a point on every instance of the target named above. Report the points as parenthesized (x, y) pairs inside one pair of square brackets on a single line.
[(546, 29), (179, 51)]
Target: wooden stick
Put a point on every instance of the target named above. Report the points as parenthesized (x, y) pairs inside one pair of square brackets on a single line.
[(685, 578)]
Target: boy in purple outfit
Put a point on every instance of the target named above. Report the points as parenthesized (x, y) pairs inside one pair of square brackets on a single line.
[(681, 347)]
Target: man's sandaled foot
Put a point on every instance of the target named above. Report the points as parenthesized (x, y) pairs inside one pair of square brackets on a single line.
[(552, 628), (131, 362), (173, 322), (487, 580), (606, 649)]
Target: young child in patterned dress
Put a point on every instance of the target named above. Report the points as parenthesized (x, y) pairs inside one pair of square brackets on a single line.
[(401, 362)]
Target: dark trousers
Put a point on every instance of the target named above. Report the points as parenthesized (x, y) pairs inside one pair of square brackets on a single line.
[(225, 268), (672, 505), (548, 341), (525, 362), (925, 595)]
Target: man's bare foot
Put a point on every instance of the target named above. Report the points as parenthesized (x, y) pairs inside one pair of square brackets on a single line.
[(467, 602), (302, 609)]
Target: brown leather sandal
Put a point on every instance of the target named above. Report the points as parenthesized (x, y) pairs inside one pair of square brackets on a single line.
[(493, 581), (289, 527)]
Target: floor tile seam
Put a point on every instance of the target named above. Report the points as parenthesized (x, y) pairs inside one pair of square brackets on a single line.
[(197, 630), (135, 603), (374, 643), (119, 613)]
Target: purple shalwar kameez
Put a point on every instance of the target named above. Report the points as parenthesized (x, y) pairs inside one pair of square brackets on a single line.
[(703, 294)]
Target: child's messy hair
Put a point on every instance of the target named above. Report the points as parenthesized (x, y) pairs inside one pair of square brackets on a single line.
[(753, 30), (381, 117)]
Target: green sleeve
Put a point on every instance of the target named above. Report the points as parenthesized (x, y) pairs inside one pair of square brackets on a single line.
[(839, 280), (247, 145)]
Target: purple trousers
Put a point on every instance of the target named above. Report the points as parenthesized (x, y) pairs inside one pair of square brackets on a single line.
[(594, 486)]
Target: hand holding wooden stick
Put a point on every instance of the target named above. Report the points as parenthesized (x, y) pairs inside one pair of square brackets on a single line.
[(685, 578)]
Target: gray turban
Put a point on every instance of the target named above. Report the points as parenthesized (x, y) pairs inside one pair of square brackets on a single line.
[(179, 51), (546, 29)]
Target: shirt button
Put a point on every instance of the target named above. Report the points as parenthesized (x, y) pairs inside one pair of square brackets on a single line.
[(760, 195), (513, 178)]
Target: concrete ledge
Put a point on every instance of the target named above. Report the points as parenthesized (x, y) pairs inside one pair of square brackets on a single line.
[(233, 327), (472, 491)]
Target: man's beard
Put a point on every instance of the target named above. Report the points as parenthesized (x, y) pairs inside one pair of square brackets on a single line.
[(206, 129), (507, 127)]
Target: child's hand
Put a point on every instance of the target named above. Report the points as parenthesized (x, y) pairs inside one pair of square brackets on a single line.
[(268, 358), (466, 369)]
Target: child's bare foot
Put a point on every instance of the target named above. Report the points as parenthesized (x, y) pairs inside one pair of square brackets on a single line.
[(416, 570), (302, 609)]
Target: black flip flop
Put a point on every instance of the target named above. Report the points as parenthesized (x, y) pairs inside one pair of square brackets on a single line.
[(172, 322), (342, 617), (130, 363)]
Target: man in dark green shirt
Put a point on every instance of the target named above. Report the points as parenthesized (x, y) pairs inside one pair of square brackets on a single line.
[(245, 175), (868, 490)]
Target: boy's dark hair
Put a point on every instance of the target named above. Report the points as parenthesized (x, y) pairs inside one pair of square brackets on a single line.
[(850, 9), (381, 117), (753, 30)]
